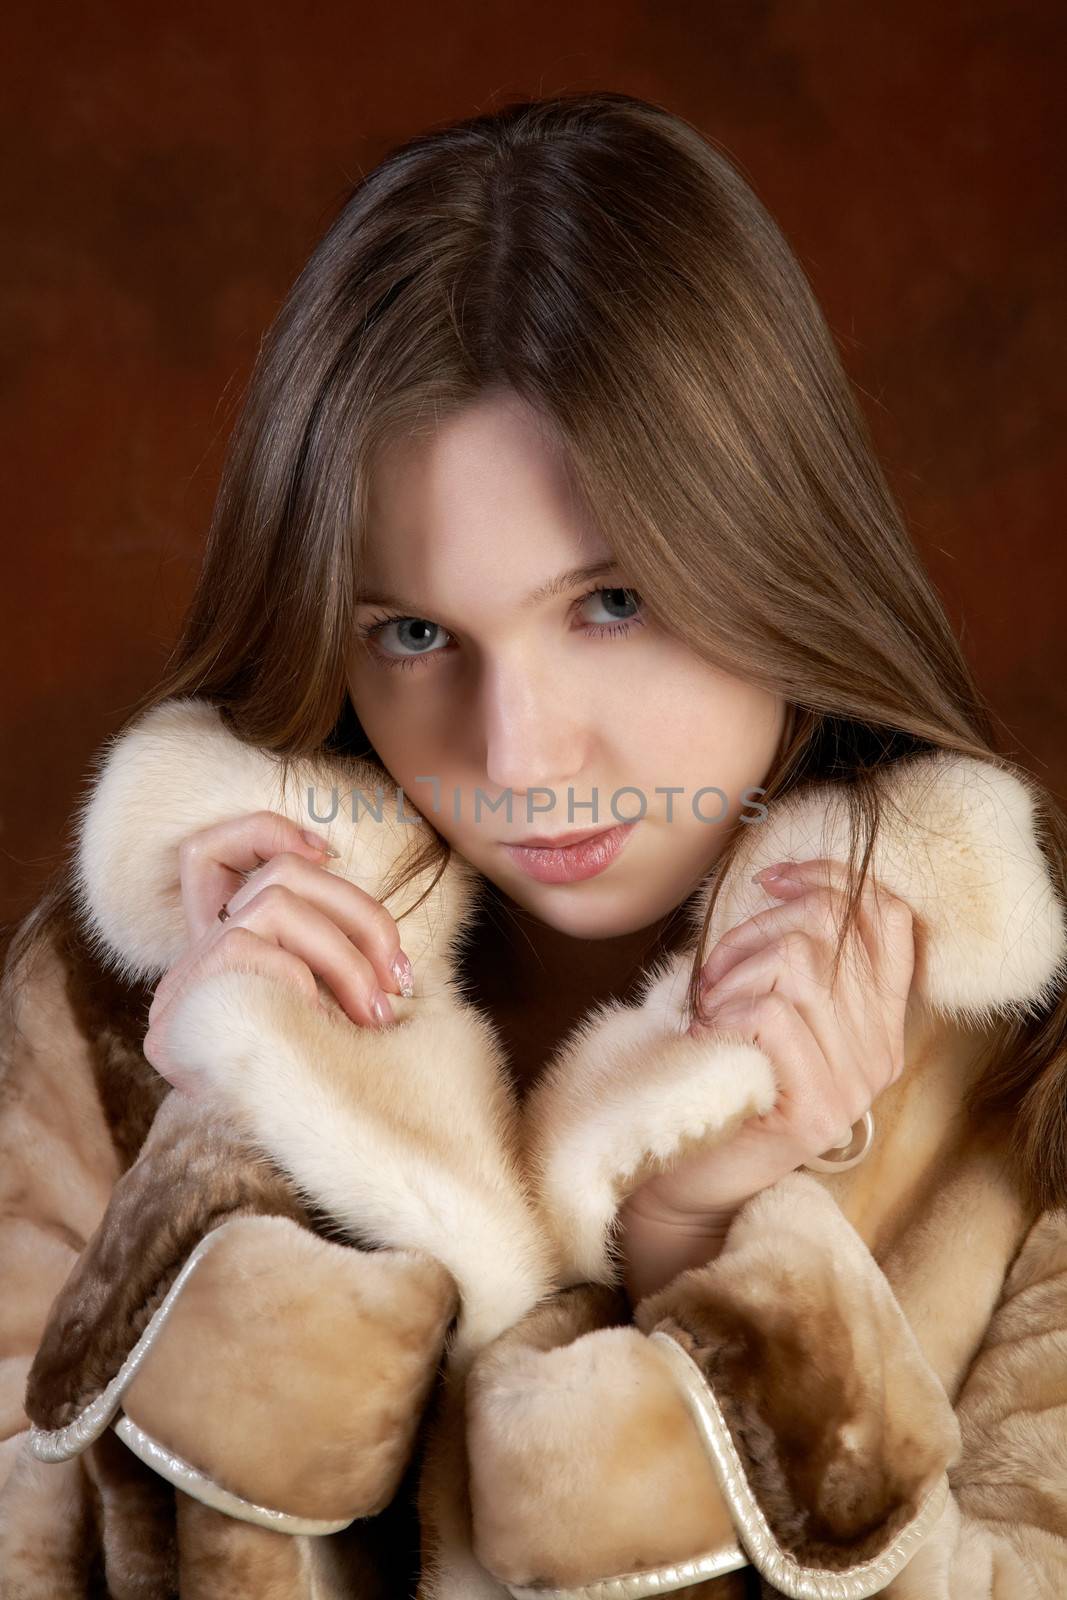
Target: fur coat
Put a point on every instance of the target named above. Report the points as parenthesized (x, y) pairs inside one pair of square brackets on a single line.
[(351, 1324)]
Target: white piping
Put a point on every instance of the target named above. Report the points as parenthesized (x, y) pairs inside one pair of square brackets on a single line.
[(59, 1444), (205, 1489)]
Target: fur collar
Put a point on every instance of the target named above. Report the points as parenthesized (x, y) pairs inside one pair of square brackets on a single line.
[(958, 843)]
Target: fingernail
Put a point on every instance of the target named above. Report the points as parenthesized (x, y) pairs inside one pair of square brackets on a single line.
[(780, 885), (776, 870), (784, 888), (404, 976), (317, 842), (382, 1009)]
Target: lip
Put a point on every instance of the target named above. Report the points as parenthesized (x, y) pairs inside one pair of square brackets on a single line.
[(559, 841), (591, 852)]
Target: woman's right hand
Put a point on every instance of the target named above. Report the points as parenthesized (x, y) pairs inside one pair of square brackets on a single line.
[(291, 918)]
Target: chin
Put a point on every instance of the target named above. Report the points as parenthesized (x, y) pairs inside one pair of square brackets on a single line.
[(585, 915)]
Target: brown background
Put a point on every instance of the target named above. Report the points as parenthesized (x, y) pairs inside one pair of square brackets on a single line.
[(169, 169)]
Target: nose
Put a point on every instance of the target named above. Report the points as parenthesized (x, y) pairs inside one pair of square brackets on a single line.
[(535, 732)]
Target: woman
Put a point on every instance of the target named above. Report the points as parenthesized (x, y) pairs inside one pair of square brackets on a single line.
[(547, 366)]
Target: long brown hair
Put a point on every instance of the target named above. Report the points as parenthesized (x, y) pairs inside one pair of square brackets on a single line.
[(598, 256)]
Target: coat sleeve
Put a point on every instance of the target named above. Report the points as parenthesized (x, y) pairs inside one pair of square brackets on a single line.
[(57, 1160), (846, 1467), (1004, 1530), (176, 1307), (774, 1408), (181, 1297), (213, 1329)]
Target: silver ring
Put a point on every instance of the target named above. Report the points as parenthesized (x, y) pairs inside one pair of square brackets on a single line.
[(823, 1164)]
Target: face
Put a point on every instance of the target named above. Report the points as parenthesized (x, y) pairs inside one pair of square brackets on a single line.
[(478, 675)]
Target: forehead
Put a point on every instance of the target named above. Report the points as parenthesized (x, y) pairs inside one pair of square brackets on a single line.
[(487, 496)]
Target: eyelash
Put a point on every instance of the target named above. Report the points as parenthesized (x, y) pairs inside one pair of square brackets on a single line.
[(592, 630)]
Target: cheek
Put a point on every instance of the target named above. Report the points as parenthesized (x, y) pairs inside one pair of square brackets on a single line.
[(412, 741), (394, 719), (733, 727), (701, 736)]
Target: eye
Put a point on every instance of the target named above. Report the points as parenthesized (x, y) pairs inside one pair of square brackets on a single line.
[(415, 639), (614, 624), (414, 632)]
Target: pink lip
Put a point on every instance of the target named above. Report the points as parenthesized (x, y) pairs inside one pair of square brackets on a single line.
[(560, 840), (590, 853)]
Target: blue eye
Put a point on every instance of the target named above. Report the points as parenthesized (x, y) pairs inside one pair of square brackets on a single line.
[(419, 632), (617, 597), (415, 633)]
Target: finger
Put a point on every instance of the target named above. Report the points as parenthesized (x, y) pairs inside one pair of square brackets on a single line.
[(212, 861), (820, 910), (796, 965), (174, 977), (360, 916), (885, 923), (809, 1108), (241, 949), (790, 961), (275, 912)]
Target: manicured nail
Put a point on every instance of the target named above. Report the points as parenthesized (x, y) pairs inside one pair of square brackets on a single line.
[(780, 885), (382, 1009), (404, 976), (776, 870), (317, 842)]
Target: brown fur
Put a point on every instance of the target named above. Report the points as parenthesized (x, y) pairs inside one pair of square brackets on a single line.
[(569, 1411), (135, 1508), (104, 1526), (787, 1383), (294, 1372), (190, 1176), (113, 1016)]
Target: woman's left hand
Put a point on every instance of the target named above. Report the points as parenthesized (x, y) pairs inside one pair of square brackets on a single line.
[(768, 979)]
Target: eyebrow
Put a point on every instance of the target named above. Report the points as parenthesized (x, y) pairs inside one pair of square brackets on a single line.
[(545, 591)]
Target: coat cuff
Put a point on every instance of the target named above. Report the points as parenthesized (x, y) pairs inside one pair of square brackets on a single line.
[(772, 1408), (242, 1389), (830, 1434), (588, 1478)]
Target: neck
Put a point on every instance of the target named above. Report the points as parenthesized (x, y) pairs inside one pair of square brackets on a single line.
[(532, 962)]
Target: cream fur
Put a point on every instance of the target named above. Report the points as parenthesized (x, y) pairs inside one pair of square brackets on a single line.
[(407, 1137), (959, 845), (179, 769), (402, 1136), (622, 1098), (628, 1088)]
